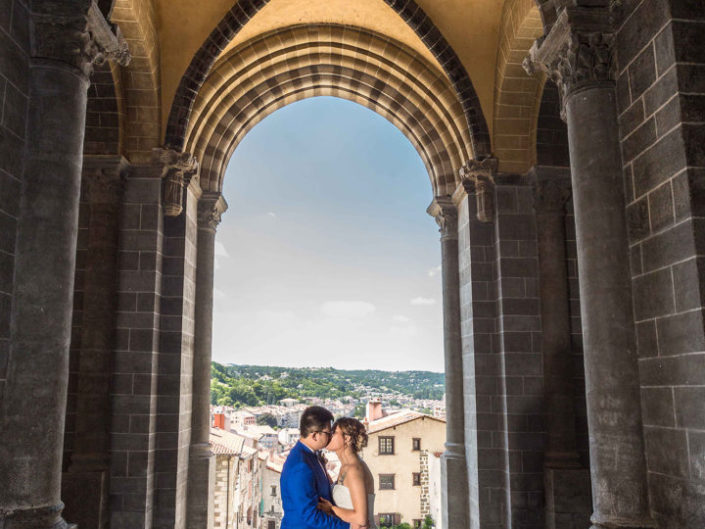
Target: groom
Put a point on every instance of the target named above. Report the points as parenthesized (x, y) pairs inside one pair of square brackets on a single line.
[(304, 478)]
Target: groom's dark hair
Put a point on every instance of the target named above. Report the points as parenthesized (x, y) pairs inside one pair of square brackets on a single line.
[(314, 419)]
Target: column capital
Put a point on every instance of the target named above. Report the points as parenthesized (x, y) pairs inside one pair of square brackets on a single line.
[(211, 207), (478, 177), (552, 189), (577, 52), (177, 170), (104, 178), (446, 214), (75, 33)]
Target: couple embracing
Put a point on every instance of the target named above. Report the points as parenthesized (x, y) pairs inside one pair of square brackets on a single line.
[(309, 497)]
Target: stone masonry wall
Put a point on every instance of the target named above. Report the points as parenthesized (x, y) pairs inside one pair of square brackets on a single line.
[(14, 64), (481, 369), (660, 50), (521, 376), (176, 363), (134, 400)]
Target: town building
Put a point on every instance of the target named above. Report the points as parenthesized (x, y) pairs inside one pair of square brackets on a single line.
[(397, 454), (272, 510)]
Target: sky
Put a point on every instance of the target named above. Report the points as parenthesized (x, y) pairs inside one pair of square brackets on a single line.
[(326, 256)]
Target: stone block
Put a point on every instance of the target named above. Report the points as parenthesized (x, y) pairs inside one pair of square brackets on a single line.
[(657, 407), (672, 371), (568, 498), (688, 284), (666, 451), (638, 220), (668, 116), (659, 163), (639, 140), (646, 338), (694, 137), (676, 502), (681, 333), (642, 72), (690, 407), (639, 29), (662, 90), (631, 118), (661, 207), (653, 295), (85, 495), (696, 448)]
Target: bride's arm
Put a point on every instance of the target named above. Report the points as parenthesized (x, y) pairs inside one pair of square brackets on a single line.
[(355, 482)]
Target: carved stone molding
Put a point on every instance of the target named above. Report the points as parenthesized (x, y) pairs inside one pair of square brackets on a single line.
[(577, 53), (210, 209), (478, 176), (552, 189), (104, 178), (75, 33), (446, 214), (177, 170)]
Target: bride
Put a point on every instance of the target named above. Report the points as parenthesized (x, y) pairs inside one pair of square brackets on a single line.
[(353, 494)]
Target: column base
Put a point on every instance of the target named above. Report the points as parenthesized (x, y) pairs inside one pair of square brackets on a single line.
[(568, 498), (609, 522), (201, 487), (87, 496), (39, 518), (455, 498)]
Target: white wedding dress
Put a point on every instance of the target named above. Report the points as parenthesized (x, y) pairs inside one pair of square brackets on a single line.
[(342, 498)]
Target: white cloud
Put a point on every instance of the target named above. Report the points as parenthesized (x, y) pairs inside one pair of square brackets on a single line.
[(218, 294), (401, 319), (423, 301), (433, 272), (407, 331), (272, 214), (220, 250), (347, 309)]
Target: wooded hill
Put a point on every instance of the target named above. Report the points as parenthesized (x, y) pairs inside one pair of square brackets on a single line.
[(248, 385)]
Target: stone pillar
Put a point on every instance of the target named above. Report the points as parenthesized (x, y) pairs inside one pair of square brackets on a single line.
[(567, 484), (201, 459), (577, 54), (453, 462), (551, 193), (66, 39), (84, 485)]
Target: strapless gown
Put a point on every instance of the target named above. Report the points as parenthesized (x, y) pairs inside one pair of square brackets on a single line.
[(341, 497)]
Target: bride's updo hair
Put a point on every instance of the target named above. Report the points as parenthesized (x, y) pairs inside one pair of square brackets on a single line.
[(355, 430)]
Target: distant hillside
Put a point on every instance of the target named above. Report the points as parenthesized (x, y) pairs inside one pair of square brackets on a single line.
[(246, 385)]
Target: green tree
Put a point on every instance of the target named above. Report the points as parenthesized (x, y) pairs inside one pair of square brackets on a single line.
[(267, 419), (428, 522)]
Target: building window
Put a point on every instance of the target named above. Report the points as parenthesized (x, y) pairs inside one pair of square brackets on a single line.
[(386, 482), (274, 490), (386, 519), (417, 524), (271, 524), (416, 444), (416, 479), (386, 446)]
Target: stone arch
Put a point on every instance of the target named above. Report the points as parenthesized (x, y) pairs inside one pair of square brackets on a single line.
[(411, 13), (136, 21), (291, 64), (517, 94)]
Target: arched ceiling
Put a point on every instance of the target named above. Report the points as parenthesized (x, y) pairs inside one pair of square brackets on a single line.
[(280, 67), (471, 27)]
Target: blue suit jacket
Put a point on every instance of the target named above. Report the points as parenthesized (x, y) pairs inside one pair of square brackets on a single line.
[(302, 482)]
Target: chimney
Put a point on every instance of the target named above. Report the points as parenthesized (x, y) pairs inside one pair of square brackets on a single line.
[(219, 420), (374, 410)]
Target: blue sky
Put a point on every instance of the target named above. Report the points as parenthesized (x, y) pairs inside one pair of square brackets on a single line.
[(326, 256)]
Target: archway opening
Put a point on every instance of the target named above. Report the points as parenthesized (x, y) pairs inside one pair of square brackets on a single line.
[(326, 259)]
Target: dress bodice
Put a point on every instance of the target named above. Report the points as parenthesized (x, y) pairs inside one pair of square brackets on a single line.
[(342, 498)]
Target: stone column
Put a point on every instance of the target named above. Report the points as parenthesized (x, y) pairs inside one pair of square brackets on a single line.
[(577, 54), (65, 42), (454, 473), (201, 461), (84, 485)]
